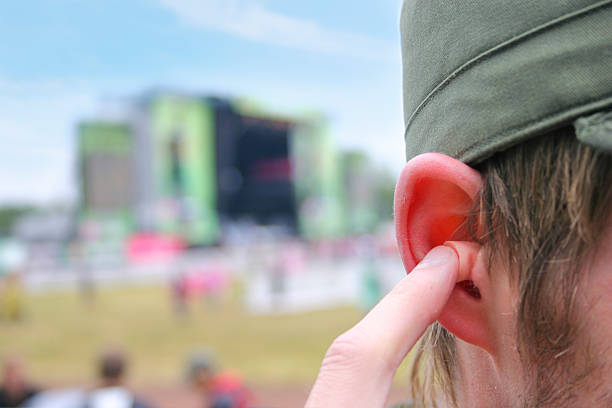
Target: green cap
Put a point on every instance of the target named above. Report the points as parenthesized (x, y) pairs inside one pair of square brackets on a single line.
[(483, 75)]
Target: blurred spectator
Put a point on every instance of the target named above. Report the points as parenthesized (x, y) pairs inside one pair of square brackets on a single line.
[(371, 285), (12, 298), (15, 389), (86, 283), (13, 256), (208, 282), (112, 392), (278, 282), (220, 389), (178, 290)]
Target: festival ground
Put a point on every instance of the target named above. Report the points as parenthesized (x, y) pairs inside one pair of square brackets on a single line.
[(278, 355)]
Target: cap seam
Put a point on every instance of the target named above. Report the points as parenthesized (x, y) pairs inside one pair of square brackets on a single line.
[(604, 101)]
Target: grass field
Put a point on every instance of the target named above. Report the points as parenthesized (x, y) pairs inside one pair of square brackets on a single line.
[(61, 336)]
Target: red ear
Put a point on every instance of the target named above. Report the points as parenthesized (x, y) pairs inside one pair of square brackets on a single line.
[(432, 197)]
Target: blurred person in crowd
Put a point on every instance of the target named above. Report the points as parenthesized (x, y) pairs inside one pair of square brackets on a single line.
[(15, 389), (286, 259), (86, 282), (12, 297), (179, 295), (13, 263), (221, 389), (112, 392), (371, 284), (81, 254), (278, 282)]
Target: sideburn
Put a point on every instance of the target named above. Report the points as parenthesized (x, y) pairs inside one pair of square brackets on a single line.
[(545, 204)]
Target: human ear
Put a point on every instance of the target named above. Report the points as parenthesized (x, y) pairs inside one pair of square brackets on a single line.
[(433, 198)]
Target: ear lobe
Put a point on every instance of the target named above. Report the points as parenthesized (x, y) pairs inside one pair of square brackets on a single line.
[(432, 198)]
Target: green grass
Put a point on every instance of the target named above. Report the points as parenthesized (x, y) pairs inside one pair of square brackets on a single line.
[(60, 337)]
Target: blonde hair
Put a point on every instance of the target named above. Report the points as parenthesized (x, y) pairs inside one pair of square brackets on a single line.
[(544, 204)]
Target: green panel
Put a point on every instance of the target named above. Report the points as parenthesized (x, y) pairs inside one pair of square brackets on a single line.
[(184, 167), (101, 137), (318, 182), (104, 150)]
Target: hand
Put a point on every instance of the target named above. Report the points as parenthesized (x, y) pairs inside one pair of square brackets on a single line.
[(359, 367)]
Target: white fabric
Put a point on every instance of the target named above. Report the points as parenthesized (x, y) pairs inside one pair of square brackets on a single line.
[(112, 397)]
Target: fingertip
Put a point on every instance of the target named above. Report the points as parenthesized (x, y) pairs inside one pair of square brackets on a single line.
[(466, 253), (437, 256), (441, 264), (452, 246)]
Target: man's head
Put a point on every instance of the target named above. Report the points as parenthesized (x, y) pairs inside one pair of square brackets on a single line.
[(111, 367), (533, 227), (201, 369), (498, 85), (13, 375)]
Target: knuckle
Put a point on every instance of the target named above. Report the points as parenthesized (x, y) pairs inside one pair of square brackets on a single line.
[(350, 349)]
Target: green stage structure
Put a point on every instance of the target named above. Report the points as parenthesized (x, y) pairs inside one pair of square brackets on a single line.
[(105, 215), (187, 166)]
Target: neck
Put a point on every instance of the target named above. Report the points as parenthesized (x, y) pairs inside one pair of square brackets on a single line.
[(109, 383), (482, 381)]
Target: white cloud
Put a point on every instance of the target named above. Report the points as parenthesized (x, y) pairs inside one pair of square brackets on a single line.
[(249, 19), (37, 120)]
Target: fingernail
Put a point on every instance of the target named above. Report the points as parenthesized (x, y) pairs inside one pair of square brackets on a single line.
[(437, 256)]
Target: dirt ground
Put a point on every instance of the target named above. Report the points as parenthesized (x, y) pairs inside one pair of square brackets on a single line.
[(266, 396)]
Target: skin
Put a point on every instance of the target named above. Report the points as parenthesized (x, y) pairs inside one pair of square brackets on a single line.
[(359, 367), (432, 193), (13, 379), (595, 303)]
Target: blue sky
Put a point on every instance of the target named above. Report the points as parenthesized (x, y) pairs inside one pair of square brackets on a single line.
[(66, 60)]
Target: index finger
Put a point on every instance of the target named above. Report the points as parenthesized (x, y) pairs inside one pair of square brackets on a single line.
[(395, 324), (359, 367)]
